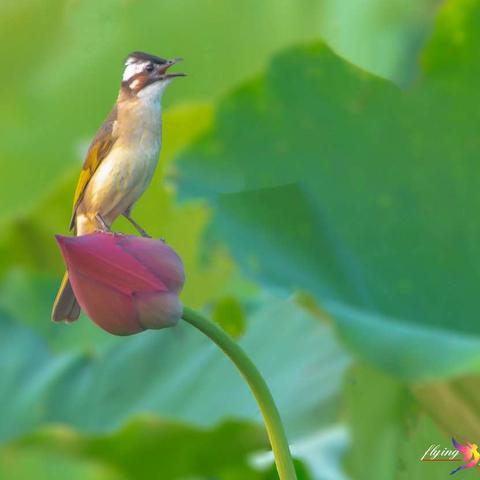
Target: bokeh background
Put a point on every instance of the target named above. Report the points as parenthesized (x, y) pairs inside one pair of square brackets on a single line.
[(319, 177)]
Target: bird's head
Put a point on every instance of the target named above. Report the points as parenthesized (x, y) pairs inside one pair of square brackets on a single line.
[(146, 74)]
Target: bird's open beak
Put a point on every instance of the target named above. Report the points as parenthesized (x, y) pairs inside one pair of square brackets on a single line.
[(168, 64)]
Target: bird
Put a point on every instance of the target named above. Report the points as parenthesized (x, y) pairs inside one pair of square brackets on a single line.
[(470, 454), (120, 161)]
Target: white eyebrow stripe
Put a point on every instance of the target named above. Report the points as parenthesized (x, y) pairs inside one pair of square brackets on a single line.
[(132, 69)]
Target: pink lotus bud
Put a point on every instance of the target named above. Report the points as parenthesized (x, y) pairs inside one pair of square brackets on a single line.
[(125, 284)]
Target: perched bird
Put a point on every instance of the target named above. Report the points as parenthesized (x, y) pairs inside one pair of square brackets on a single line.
[(121, 160), (470, 454)]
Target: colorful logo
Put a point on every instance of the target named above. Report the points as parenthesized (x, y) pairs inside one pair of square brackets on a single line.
[(470, 455)]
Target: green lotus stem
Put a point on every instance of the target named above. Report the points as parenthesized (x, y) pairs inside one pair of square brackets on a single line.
[(258, 386)]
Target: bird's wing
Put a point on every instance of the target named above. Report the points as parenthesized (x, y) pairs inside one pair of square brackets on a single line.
[(465, 450), (98, 150)]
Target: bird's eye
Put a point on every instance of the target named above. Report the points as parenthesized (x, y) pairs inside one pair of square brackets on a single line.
[(149, 67)]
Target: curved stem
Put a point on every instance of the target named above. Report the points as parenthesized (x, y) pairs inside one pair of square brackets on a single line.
[(259, 388)]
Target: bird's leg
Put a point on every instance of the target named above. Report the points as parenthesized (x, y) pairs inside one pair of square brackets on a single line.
[(139, 229), (103, 226)]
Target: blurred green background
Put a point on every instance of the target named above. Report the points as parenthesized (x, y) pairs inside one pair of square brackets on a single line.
[(319, 177)]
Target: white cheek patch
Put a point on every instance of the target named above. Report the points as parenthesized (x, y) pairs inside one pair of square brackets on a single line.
[(131, 69)]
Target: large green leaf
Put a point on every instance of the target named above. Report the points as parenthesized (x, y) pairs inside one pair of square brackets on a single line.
[(175, 373), (331, 180), (24, 464), (382, 36), (146, 448), (390, 433)]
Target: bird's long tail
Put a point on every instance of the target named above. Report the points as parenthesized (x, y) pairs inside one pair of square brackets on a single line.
[(65, 306)]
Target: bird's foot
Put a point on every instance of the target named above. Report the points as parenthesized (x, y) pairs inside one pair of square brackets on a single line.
[(102, 226), (137, 227)]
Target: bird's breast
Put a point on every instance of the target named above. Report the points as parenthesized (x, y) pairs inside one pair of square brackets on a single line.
[(122, 177)]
